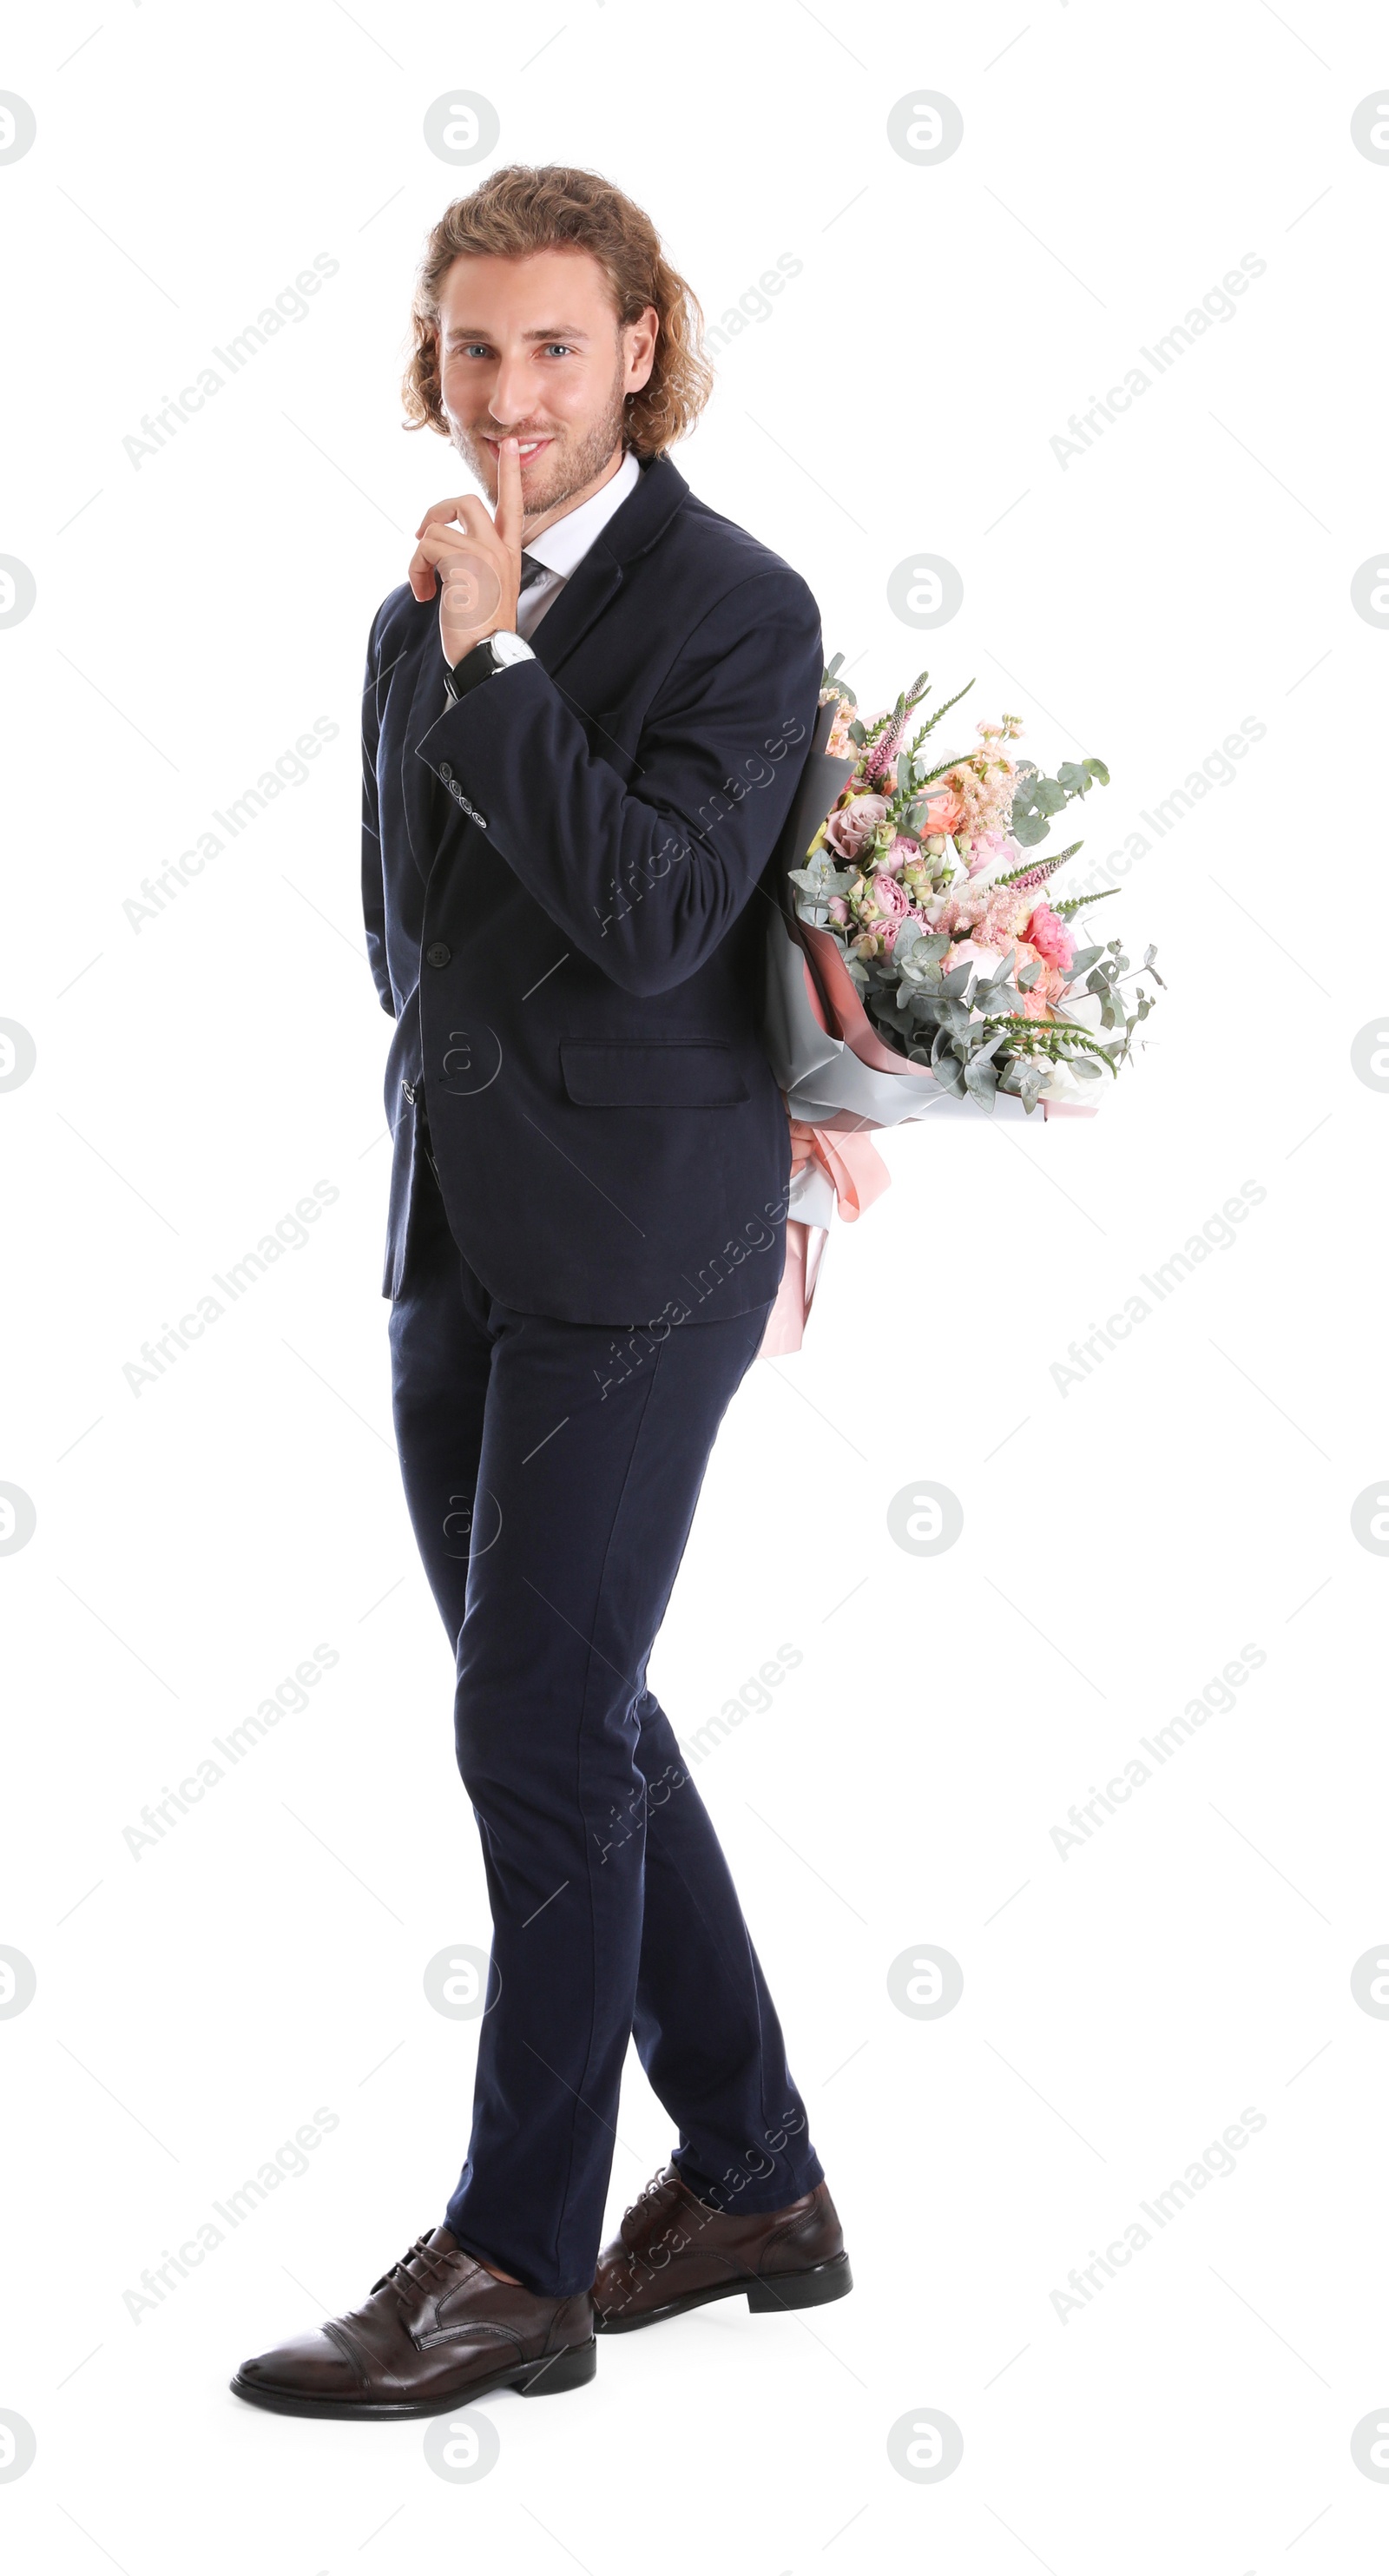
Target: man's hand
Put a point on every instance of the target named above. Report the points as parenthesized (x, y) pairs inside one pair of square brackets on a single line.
[(478, 560)]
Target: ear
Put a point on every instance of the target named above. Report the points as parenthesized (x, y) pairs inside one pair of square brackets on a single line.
[(639, 348)]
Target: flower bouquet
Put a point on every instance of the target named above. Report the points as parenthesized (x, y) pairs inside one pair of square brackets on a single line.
[(919, 964)]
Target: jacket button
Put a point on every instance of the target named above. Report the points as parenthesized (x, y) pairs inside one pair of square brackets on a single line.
[(445, 771), (436, 954)]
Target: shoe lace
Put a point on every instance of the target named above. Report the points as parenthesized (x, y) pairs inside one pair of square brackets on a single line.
[(400, 2276), (659, 2187)]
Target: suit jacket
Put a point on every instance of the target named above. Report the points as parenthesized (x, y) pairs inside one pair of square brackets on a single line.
[(560, 883)]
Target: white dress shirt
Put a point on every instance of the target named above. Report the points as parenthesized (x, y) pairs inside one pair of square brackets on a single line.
[(562, 546)]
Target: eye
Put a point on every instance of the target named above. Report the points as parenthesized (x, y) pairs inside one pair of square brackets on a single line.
[(558, 349)]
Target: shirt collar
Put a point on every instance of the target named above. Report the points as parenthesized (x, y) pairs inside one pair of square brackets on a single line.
[(562, 547)]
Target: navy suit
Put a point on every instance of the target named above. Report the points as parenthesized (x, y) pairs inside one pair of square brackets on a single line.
[(586, 1231), (571, 851)]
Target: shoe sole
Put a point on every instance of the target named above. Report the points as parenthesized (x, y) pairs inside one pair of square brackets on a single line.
[(574, 2367), (767, 2296)]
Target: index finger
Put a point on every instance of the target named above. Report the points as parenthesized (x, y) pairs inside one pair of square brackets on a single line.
[(509, 512)]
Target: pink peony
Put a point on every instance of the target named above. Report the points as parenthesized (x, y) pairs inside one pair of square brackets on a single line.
[(897, 854), (969, 952), (851, 826), (1051, 938)]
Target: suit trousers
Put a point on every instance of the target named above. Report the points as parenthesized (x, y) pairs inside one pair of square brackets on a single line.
[(551, 1471)]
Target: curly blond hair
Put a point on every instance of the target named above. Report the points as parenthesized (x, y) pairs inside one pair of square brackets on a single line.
[(520, 209)]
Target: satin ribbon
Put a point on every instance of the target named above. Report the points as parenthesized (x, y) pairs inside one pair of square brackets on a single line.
[(837, 1144), (855, 1169), (858, 1175)]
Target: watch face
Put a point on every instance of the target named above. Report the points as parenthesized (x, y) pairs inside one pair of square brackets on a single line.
[(509, 648)]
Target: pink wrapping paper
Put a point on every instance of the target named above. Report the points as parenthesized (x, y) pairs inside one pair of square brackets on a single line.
[(840, 1144)]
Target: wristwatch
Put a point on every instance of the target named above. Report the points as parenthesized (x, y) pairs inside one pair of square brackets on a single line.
[(494, 653)]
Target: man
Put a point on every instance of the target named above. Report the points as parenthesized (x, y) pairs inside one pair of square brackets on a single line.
[(584, 722)]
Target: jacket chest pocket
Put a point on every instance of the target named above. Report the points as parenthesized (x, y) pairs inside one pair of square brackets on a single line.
[(676, 1074)]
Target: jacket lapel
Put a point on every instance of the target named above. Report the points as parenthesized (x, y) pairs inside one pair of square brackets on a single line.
[(595, 582), (585, 595)]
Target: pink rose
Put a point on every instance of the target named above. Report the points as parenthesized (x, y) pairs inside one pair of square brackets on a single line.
[(885, 907), (854, 824), (987, 847), (897, 854), (1051, 938), (889, 894), (1039, 1001), (944, 813)]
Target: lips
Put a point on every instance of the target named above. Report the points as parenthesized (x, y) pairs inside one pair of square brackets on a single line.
[(530, 448)]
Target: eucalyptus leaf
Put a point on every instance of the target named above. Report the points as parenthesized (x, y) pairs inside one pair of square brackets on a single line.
[(1028, 829), (953, 1016)]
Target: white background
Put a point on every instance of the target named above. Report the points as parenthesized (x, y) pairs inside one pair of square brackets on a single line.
[(1122, 1540)]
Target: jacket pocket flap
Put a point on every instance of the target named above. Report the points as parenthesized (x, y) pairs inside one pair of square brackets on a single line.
[(676, 1074)]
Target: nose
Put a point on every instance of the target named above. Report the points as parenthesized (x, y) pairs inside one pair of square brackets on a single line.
[(512, 389)]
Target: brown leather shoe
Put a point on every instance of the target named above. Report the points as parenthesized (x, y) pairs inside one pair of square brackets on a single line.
[(437, 2330), (673, 2252)]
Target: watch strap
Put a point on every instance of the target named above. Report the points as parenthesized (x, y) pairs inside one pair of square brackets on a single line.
[(481, 663)]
